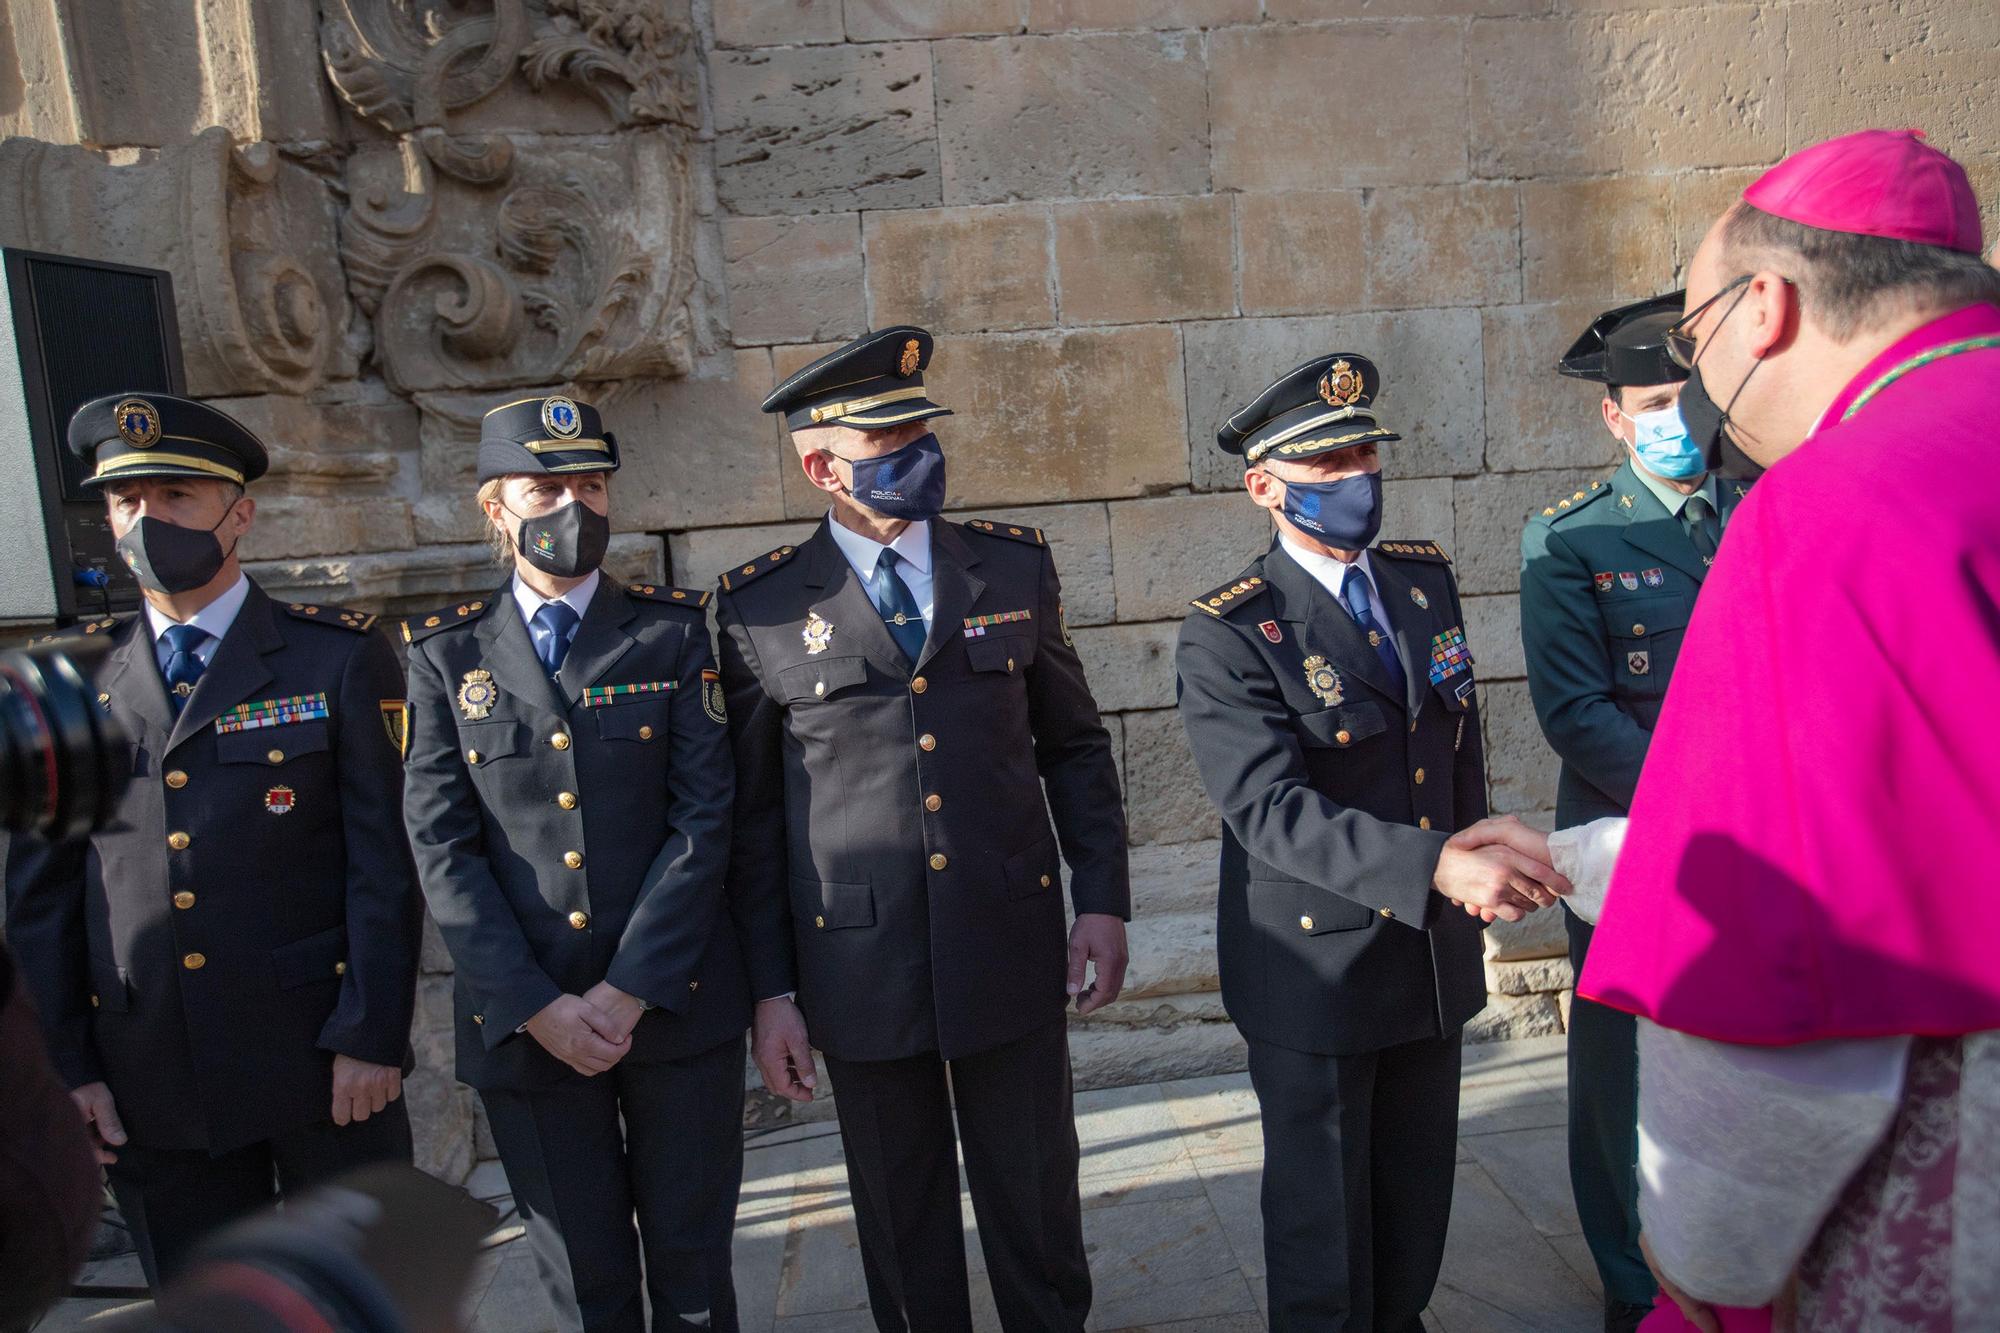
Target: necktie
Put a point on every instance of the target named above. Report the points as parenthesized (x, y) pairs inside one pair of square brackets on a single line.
[(897, 605), (1704, 529), (1355, 594), (184, 665), (551, 629)]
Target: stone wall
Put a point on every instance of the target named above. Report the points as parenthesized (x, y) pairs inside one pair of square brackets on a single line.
[(1121, 219)]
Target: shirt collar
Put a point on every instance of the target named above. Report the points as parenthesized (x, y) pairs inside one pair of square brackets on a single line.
[(216, 617), (1672, 498), (1330, 573), (912, 546), (578, 598)]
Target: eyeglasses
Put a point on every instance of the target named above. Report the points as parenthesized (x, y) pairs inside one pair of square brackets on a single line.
[(1679, 336)]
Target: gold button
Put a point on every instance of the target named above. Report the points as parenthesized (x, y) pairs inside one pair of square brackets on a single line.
[(578, 920), (927, 742), (1419, 775), (645, 734), (340, 968), (1424, 822), (1413, 724), (177, 779), (1305, 923), (938, 862), (1045, 881), (1010, 664), (194, 962), (560, 740), (275, 756), (933, 802), (572, 859), (93, 1001), (1638, 629), (819, 689), (479, 1019), (1388, 915), (1343, 735), (184, 900), (919, 685), (472, 756), (178, 841), (566, 799), (820, 921)]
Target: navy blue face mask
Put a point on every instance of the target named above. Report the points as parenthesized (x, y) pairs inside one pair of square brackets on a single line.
[(908, 484), (1345, 514)]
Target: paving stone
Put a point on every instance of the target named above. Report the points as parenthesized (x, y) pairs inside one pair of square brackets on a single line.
[(1518, 1283), (1160, 1260), (1531, 1166), (960, 270), (1129, 261), (1575, 1252)]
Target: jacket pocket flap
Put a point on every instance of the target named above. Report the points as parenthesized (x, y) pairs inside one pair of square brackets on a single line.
[(1643, 616), (1304, 909), (820, 678), (271, 745), (109, 992), (834, 906), (321, 957), (1009, 652), (1338, 728), (643, 720), (1033, 870), (491, 740)]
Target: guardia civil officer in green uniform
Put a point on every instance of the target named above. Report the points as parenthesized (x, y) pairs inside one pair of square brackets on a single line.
[(1608, 578), (227, 968), (568, 800), (1330, 700), (917, 754)]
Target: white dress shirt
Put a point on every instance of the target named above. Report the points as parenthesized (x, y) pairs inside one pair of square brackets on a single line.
[(1331, 574), (528, 601), (912, 546), (216, 618)]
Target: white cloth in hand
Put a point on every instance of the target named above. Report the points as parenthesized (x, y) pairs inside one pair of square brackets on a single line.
[(1586, 854)]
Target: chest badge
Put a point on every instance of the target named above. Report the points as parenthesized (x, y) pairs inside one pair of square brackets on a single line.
[(1271, 631), (1639, 664), (1323, 680), (279, 800), (1624, 502), (477, 694), (1417, 596), (1654, 578), (818, 634), (1629, 582), (1605, 581)]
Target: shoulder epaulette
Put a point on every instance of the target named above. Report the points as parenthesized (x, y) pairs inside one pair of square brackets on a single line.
[(688, 599), (1032, 536), (750, 570), (1430, 551), (98, 626), (358, 621), (422, 627), (1221, 601), (1568, 503)]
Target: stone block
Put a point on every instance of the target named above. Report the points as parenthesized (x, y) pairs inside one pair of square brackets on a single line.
[(1431, 391), (794, 278), (802, 498), (1417, 511), (1520, 767), (1165, 552), (433, 959), (431, 1027), (290, 526), (1079, 414), (1605, 240), (1664, 88), (1514, 1017), (704, 554), (1072, 117), (1535, 976), (1491, 510), (696, 451), (960, 270), (1493, 633), (1443, 245), (818, 129), (1164, 800), (1537, 935), (1079, 537), (1299, 252), (1129, 666), (1536, 418), (1066, 15), (891, 20), (777, 22), (398, 583), (1931, 63), (1265, 81), (1172, 954), (1128, 261), (1698, 199), (1174, 878), (441, 1123), (1116, 1055), (1311, 11)]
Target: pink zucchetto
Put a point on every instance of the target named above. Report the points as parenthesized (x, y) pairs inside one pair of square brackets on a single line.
[(1875, 183)]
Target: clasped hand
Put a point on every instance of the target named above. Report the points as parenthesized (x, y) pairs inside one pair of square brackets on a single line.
[(1498, 870), (589, 1032)]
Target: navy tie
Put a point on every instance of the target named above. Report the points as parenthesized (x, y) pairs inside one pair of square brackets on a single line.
[(1355, 594), (1703, 526), (551, 629), (898, 606), (184, 665)]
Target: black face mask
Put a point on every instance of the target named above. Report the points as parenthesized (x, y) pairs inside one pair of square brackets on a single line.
[(170, 559), (568, 543), (1708, 424)]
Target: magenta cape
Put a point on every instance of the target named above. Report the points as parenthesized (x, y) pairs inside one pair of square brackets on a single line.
[(1815, 843)]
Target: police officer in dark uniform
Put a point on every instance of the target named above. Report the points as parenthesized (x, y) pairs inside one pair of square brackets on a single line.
[(904, 698), (227, 968), (568, 800), (1329, 697), (1609, 576)]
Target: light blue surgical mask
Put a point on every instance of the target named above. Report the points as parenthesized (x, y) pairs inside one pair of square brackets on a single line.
[(1663, 445)]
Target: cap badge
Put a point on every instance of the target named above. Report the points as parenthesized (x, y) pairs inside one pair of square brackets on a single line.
[(818, 634), (1323, 680), (476, 694), (1341, 385), (912, 353), (138, 422), (560, 416)]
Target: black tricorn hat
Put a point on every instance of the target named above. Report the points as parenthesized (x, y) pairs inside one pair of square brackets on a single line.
[(551, 433), (1314, 408), (875, 381), (1628, 345), (130, 435)]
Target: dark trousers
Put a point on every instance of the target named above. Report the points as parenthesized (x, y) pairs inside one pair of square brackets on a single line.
[(171, 1198), (1604, 1135), (1359, 1157), (1018, 1125), (662, 1140)]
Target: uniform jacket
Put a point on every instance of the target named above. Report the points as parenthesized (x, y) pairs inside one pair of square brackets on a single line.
[(1608, 580), (565, 836), (1335, 804), (250, 910), (901, 812)]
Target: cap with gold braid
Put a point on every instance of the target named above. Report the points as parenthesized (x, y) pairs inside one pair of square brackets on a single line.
[(875, 381), (1321, 405), (547, 433), (125, 436)]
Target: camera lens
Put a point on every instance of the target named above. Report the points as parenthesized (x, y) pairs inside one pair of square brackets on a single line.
[(63, 761)]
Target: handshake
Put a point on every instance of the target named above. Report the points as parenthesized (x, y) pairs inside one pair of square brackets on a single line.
[(1498, 870)]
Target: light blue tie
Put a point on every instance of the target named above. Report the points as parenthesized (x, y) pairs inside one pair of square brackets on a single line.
[(184, 665), (552, 628), (1355, 594)]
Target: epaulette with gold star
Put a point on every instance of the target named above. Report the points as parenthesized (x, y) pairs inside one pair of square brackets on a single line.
[(1567, 504), (1032, 536), (319, 613), (1429, 551), (422, 627), (687, 599), (750, 570), (99, 626), (1221, 601)]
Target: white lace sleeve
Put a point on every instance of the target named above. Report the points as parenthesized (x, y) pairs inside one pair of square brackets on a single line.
[(1585, 855)]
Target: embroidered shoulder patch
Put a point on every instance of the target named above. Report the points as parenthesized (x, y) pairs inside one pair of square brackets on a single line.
[(1221, 601)]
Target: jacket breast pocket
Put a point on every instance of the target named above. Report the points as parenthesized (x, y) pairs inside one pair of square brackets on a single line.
[(110, 993), (1007, 653), (320, 957), (642, 720), (1645, 638), (1342, 726), (483, 743), (825, 905), (272, 746), (1297, 908), (822, 678)]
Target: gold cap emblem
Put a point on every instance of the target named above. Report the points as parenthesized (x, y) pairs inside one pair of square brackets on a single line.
[(1341, 385), (912, 353), (138, 422)]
